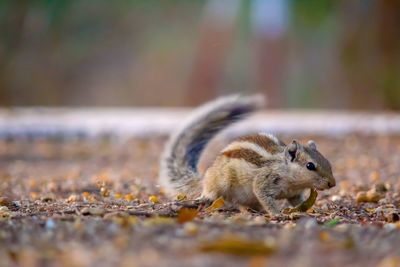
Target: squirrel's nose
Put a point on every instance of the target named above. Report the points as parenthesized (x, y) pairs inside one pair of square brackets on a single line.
[(331, 183)]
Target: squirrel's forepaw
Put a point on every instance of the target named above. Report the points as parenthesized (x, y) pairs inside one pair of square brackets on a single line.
[(203, 201)]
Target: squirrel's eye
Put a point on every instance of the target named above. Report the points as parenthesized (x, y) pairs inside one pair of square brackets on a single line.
[(311, 166)]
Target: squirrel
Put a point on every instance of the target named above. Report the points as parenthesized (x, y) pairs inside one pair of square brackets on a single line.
[(254, 170)]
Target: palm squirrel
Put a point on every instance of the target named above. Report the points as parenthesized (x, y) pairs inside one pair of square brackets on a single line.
[(253, 170)]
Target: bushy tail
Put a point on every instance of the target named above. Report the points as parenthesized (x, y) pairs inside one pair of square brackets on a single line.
[(178, 170)]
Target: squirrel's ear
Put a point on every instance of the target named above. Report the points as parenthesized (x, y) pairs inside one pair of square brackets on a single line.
[(291, 150), (311, 144)]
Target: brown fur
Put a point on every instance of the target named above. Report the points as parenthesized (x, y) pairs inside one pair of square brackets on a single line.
[(246, 154), (263, 141)]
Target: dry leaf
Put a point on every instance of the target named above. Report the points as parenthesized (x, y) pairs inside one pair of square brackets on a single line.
[(306, 205), (374, 176), (129, 197), (154, 199), (217, 204), (186, 215), (369, 196), (238, 246), (154, 221), (324, 236), (181, 197), (104, 192), (390, 262)]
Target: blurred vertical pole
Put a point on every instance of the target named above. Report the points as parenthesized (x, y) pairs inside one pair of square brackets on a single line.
[(389, 46), (11, 31), (370, 45), (215, 38), (270, 22)]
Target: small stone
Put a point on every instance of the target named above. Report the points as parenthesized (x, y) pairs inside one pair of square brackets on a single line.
[(93, 211), (342, 228), (335, 198), (104, 192), (392, 217), (190, 228), (289, 225), (307, 223), (17, 204), (381, 187), (5, 201), (52, 186), (73, 198), (50, 224), (375, 176), (47, 198), (4, 212), (119, 214), (390, 227)]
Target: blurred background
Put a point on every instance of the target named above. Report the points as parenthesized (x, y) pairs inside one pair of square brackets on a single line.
[(334, 54)]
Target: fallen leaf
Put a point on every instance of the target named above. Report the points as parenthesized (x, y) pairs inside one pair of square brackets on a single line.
[(129, 197), (324, 236), (104, 192), (306, 205), (332, 223), (181, 197), (374, 176), (257, 261), (186, 215), (154, 221), (238, 246), (216, 205), (369, 196), (154, 199), (5, 201), (390, 262)]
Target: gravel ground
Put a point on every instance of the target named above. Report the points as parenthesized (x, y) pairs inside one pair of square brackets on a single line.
[(81, 202)]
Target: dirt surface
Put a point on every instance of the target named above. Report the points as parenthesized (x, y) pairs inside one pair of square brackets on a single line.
[(97, 203)]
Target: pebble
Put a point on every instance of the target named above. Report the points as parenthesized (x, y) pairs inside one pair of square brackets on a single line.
[(47, 198), (190, 228), (4, 212), (307, 223), (119, 214), (50, 224), (342, 228), (390, 227), (390, 214), (5, 201), (93, 211), (73, 198)]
